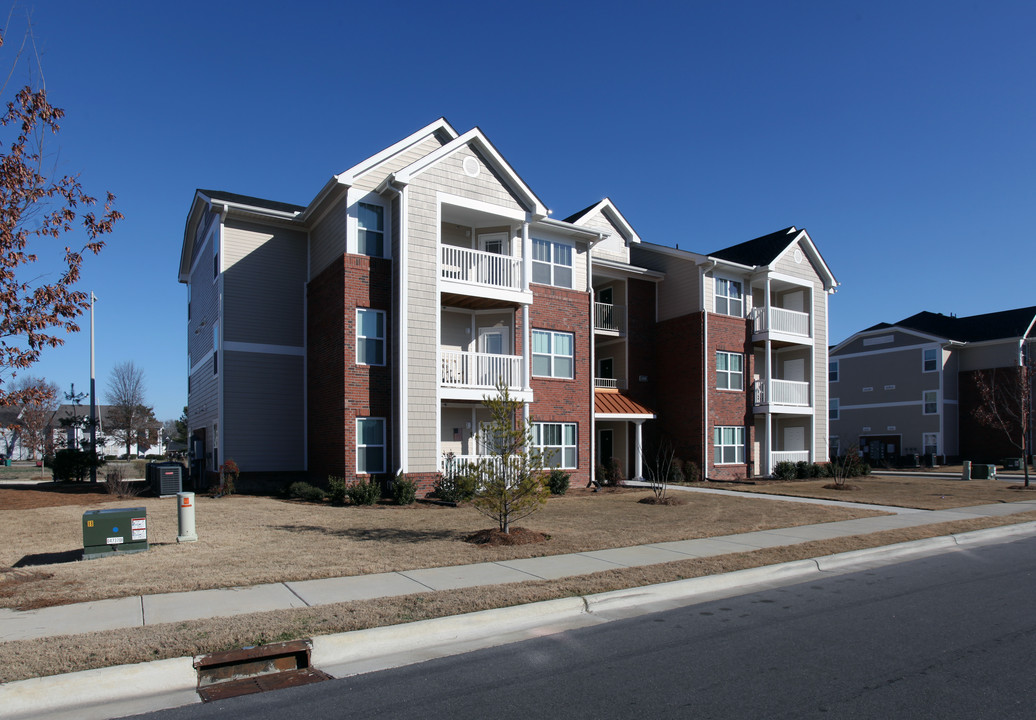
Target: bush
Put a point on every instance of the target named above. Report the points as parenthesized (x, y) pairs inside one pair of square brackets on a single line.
[(610, 473), (456, 488), (691, 471), (785, 470), (364, 491), (70, 464), (802, 470), (336, 490), (306, 492), (404, 490), (557, 481)]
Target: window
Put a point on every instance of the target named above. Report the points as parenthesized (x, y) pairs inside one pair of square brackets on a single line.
[(553, 354), (370, 337), (728, 445), (832, 371), (557, 442), (930, 364), (370, 445), (729, 371), (931, 402), (215, 348), (931, 443), (215, 256), (832, 409), (370, 221), (551, 263), (833, 447), (728, 298)]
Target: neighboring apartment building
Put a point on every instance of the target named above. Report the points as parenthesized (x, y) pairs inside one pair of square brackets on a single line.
[(909, 387), (358, 334)]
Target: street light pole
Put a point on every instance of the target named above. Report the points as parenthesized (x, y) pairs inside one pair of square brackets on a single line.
[(93, 398)]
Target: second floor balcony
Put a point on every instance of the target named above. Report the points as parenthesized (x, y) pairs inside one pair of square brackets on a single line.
[(791, 394), (782, 322), (609, 319), (480, 371), (477, 272)]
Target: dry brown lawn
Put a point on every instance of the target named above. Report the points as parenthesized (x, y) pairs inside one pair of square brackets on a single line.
[(251, 540), (50, 656), (922, 492)]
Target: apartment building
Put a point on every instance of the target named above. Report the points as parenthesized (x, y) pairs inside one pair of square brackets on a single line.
[(909, 387), (359, 334)]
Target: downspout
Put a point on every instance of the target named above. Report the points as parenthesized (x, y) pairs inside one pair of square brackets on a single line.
[(705, 369), (593, 352), (218, 341), (388, 186)]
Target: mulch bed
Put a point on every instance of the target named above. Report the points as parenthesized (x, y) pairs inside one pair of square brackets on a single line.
[(496, 537), (662, 501), (843, 486), (28, 497)]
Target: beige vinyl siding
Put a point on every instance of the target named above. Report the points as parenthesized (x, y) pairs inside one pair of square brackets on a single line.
[(373, 177), (264, 411), (327, 239), (448, 176), (264, 284), (803, 270), (613, 247), (820, 369), (680, 293)]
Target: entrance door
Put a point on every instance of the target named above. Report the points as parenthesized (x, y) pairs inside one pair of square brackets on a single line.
[(492, 342), (495, 243), (605, 446), (605, 371)]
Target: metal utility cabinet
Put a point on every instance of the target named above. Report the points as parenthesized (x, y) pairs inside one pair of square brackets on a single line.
[(116, 530)]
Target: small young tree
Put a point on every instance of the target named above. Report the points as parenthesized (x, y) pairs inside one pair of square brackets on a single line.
[(659, 470), (511, 483), (1005, 403)]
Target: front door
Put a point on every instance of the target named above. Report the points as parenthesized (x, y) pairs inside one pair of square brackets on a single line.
[(489, 370), (495, 243), (605, 447)]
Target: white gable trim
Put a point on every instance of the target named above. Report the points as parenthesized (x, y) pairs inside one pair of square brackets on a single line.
[(349, 176), (814, 255), (607, 208), (475, 138)]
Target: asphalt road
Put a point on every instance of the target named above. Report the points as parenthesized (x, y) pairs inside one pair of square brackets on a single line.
[(948, 636)]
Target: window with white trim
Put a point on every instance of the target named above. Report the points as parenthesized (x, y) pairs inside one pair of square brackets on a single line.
[(931, 402), (370, 445), (832, 409), (833, 446), (728, 445), (832, 371), (552, 263), (370, 229), (728, 298), (553, 354), (930, 443), (370, 337), (929, 363), (557, 442), (730, 371)]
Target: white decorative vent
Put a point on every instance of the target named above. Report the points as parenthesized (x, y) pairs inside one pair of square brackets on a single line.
[(880, 340), (471, 166), (798, 256)]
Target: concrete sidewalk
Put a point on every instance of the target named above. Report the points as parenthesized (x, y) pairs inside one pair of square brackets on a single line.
[(137, 611)]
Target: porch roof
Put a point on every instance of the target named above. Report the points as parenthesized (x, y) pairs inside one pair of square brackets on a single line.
[(611, 404)]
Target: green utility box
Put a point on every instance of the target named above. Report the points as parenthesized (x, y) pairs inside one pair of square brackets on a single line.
[(117, 530)]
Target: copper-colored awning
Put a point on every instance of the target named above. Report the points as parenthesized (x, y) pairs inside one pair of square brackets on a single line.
[(612, 404)]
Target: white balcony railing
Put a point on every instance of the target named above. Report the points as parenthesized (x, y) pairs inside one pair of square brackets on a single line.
[(610, 317), (476, 267), (789, 322), (789, 456), (480, 370), (782, 392), (613, 383)]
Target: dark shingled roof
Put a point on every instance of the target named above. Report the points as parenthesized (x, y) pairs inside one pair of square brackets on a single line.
[(974, 328), (249, 200), (761, 251), (575, 216)]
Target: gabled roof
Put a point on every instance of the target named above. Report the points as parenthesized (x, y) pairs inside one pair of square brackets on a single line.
[(765, 251), (607, 208), (475, 139), (1006, 324)]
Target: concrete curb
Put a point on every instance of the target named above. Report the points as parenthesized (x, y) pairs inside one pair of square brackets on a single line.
[(171, 683)]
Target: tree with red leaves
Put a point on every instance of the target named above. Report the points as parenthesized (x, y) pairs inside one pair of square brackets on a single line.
[(37, 206), (1005, 402)]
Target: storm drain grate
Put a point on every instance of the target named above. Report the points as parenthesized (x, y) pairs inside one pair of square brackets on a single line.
[(255, 669)]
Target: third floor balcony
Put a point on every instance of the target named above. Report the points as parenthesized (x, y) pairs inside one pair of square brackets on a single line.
[(464, 271), (780, 324)]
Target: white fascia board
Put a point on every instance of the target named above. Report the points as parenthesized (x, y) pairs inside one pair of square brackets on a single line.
[(349, 176), (568, 229), (190, 229), (629, 416), (608, 208), (474, 137), (730, 266), (612, 268)]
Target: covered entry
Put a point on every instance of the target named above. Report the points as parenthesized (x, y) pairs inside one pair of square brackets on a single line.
[(613, 413)]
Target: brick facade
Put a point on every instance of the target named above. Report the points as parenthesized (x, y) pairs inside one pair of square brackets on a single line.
[(729, 407)]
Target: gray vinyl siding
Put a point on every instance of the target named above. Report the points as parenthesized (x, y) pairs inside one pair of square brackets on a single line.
[(327, 239), (203, 398), (900, 368), (421, 293), (680, 293), (264, 283), (867, 344), (996, 355), (373, 177), (264, 411)]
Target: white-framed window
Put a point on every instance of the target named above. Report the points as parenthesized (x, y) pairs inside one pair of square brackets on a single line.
[(931, 402), (557, 442), (370, 336), (215, 348), (553, 354), (929, 362), (728, 297), (370, 229), (832, 371), (930, 443), (370, 445), (730, 370), (832, 409), (728, 445), (552, 262)]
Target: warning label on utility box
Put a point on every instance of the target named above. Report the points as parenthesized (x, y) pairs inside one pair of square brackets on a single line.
[(138, 524), (138, 535)]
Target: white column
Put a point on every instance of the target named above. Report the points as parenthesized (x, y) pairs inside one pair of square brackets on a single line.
[(638, 462), (526, 257)]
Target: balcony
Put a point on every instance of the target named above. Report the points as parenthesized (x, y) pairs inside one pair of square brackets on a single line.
[(784, 393), (779, 322), (609, 319), (789, 456), (610, 383), (473, 375), (475, 272)]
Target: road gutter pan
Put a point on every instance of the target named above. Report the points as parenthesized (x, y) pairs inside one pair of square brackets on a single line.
[(125, 689)]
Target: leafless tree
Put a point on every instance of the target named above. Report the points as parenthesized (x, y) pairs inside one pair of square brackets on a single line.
[(128, 416), (1005, 403), (36, 412)]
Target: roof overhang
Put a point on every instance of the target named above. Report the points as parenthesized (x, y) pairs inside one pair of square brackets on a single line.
[(607, 208)]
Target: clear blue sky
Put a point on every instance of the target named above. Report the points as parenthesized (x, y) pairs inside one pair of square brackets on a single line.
[(901, 135)]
